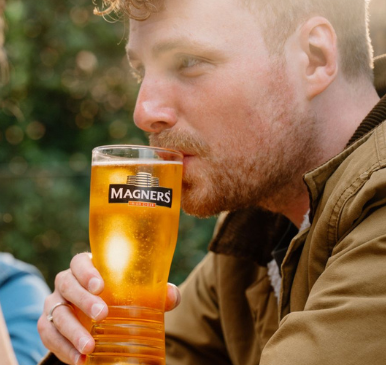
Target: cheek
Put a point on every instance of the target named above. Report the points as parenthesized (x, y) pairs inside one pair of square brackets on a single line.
[(219, 111)]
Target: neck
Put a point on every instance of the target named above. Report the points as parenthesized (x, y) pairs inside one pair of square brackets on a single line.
[(340, 111), (298, 210)]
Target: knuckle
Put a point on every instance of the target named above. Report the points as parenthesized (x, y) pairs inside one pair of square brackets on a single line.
[(47, 302), (79, 259), (42, 331), (87, 300), (75, 260), (64, 285), (57, 279), (40, 325), (82, 268), (60, 277), (46, 340), (45, 334), (60, 319)]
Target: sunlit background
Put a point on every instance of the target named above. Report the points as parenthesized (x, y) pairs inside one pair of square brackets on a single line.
[(69, 91)]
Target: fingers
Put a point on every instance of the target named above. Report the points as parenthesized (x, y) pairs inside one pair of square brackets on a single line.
[(65, 337), (173, 297), (57, 344), (85, 272), (69, 288)]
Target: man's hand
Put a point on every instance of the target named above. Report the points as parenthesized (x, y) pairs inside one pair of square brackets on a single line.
[(79, 286)]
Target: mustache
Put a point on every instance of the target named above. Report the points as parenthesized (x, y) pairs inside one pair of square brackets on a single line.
[(180, 141)]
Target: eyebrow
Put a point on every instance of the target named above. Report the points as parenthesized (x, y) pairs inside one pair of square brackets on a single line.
[(170, 45)]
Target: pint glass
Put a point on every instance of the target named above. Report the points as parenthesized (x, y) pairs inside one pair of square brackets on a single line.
[(134, 213)]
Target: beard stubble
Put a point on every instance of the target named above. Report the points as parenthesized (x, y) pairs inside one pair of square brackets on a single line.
[(229, 178)]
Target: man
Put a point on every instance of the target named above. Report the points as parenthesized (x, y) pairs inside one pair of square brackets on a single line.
[(255, 94)]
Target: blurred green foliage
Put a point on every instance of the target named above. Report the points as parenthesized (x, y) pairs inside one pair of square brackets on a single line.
[(69, 91)]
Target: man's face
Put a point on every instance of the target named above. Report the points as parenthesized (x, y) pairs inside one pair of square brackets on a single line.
[(211, 90)]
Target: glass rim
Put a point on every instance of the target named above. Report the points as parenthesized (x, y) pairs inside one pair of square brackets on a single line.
[(137, 147)]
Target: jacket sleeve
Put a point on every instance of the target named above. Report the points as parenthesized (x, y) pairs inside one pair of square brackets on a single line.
[(344, 319), (193, 329)]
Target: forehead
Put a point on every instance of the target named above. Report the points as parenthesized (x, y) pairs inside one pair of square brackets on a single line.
[(195, 21)]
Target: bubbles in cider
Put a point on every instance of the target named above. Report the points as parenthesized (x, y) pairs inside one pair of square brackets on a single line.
[(132, 242)]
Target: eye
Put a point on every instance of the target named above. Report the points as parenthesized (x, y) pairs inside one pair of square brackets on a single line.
[(188, 61), (192, 66), (137, 74)]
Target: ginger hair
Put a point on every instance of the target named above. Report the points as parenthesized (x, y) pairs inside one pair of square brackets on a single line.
[(134, 9)]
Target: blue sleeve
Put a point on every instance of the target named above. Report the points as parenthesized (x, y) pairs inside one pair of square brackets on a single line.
[(22, 297)]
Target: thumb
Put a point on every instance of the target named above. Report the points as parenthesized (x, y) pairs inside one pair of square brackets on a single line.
[(173, 297)]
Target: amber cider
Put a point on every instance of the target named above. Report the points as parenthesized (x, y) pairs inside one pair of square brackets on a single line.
[(134, 215)]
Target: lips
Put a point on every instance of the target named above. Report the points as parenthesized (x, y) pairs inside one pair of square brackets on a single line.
[(187, 157), (186, 154)]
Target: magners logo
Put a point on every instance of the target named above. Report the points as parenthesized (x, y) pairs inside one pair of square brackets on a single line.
[(141, 190)]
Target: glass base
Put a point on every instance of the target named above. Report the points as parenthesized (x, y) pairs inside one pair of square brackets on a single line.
[(128, 336)]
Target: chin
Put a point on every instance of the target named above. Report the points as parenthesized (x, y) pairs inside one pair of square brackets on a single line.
[(196, 202), (199, 211)]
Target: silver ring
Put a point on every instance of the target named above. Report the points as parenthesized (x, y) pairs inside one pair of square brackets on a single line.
[(50, 317)]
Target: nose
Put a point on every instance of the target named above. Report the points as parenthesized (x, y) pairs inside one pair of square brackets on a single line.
[(154, 109)]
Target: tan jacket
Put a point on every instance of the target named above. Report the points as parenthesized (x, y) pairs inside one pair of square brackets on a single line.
[(333, 301), (333, 298)]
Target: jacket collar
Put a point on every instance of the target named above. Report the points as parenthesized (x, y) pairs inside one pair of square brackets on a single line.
[(250, 234), (380, 75), (378, 114)]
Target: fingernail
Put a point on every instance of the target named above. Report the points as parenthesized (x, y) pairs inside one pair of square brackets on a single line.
[(96, 309), (83, 343), (94, 285)]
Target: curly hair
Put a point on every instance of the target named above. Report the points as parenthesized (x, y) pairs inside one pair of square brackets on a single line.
[(134, 9)]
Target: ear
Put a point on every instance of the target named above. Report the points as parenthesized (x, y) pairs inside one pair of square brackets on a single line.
[(318, 42)]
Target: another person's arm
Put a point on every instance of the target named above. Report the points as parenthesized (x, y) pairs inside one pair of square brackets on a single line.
[(7, 354), (22, 294)]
